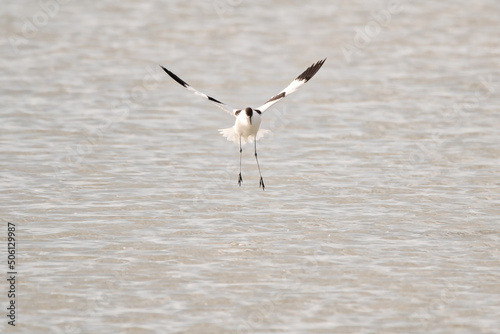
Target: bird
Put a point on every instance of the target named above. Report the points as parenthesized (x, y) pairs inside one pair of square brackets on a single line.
[(246, 127)]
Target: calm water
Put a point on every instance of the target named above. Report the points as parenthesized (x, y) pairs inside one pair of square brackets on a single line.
[(382, 205)]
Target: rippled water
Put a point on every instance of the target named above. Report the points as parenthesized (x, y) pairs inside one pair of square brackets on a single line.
[(381, 211)]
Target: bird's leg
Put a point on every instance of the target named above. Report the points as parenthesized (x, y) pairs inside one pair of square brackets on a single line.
[(240, 180), (261, 182)]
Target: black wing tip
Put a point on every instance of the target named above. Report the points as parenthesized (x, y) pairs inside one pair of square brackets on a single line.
[(175, 77), (311, 70)]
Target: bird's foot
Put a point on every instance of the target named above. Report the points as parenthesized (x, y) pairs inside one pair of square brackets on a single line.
[(240, 179), (261, 184)]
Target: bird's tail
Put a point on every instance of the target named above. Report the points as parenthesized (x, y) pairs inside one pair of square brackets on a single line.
[(231, 135)]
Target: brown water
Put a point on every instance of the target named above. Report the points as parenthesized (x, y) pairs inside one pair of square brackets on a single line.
[(382, 205)]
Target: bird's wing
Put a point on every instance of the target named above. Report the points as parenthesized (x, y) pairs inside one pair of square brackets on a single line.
[(218, 103), (294, 85)]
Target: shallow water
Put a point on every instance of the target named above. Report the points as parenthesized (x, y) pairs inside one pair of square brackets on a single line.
[(381, 211)]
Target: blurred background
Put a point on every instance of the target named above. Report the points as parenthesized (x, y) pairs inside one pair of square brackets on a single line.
[(382, 204)]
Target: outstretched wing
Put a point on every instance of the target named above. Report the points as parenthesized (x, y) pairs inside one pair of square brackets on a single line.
[(218, 103), (294, 85)]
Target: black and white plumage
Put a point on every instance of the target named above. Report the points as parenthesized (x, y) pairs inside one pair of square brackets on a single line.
[(247, 125)]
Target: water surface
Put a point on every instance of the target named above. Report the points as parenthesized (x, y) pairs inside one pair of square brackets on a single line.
[(382, 203)]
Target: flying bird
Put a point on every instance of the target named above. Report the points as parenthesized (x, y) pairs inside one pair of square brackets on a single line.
[(247, 124)]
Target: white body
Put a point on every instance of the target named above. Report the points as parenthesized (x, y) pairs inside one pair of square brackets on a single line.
[(245, 127)]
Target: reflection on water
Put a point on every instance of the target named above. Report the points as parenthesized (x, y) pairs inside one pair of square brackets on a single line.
[(381, 205)]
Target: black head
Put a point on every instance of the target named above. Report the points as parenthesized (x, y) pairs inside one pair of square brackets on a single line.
[(249, 113)]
